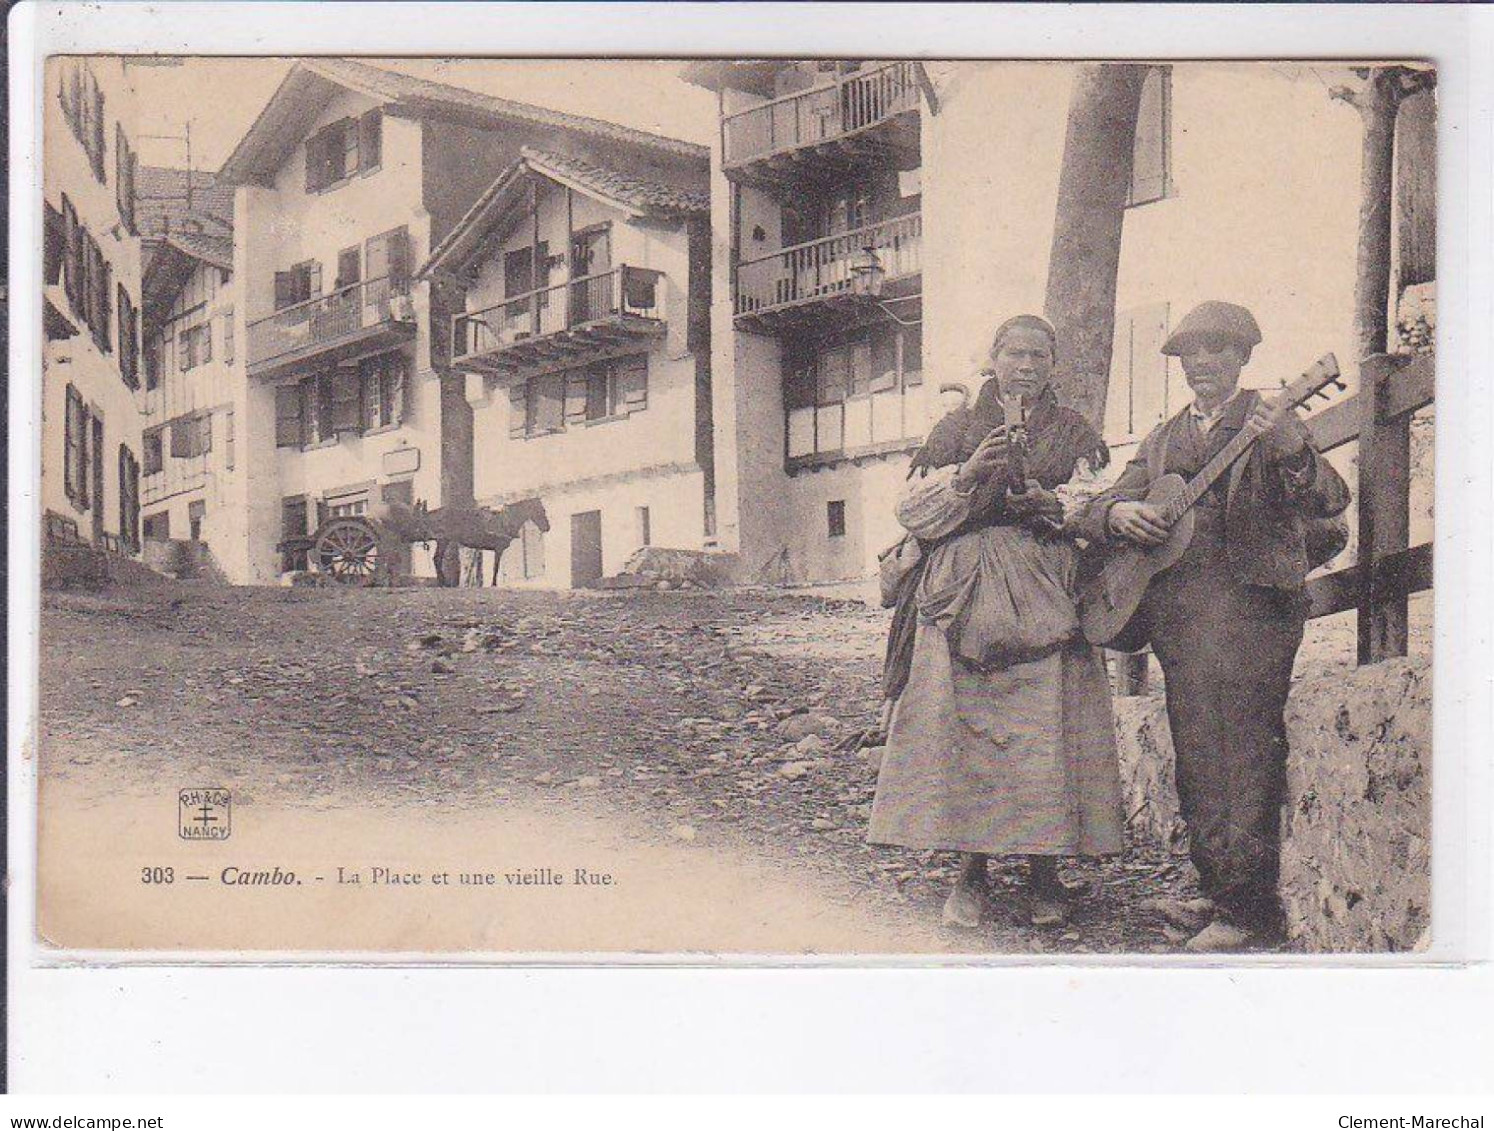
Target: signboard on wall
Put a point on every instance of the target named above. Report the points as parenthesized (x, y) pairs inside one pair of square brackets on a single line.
[(402, 461)]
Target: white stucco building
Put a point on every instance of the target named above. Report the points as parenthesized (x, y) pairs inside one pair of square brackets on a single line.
[(91, 372), (585, 343), (193, 368), (347, 180), (1245, 187)]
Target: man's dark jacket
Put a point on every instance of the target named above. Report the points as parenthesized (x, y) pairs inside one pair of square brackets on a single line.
[(1266, 504)]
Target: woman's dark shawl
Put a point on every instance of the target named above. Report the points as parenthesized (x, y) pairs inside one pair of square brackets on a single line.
[(1057, 439)]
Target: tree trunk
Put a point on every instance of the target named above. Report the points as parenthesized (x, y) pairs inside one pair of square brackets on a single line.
[(1092, 190)]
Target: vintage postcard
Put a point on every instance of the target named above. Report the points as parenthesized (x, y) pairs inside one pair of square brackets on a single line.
[(750, 507)]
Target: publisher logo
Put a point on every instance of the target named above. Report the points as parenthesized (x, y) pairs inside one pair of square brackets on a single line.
[(204, 814)]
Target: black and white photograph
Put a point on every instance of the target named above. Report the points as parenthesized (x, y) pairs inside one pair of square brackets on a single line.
[(833, 507)]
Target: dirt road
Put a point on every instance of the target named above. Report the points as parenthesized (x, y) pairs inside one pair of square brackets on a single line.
[(698, 748)]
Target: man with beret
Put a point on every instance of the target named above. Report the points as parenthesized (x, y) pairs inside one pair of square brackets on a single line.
[(1226, 620)]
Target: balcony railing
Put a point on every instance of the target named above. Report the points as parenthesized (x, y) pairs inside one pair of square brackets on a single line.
[(853, 103), (346, 316), (821, 269), (591, 310)]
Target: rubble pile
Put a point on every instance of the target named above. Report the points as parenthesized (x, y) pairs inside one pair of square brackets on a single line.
[(658, 567)]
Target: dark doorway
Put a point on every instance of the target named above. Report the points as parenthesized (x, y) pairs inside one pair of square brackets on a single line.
[(586, 548), (591, 255)]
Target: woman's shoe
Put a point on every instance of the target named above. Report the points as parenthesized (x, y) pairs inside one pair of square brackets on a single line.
[(966, 905), (1219, 937), (1049, 910)]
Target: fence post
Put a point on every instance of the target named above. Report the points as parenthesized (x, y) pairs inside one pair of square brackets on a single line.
[(1384, 510)]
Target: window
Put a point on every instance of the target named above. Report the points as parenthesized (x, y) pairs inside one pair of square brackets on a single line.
[(1151, 156), (349, 267), (196, 512), (153, 450), (640, 515), (300, 283), (598, 392), (346, 147), (387, 256), (194, 346), (129, 340), (125, 165), (361, 399), (129, 499), (228, 332), (228, 439), (158, 526), (383, 381), (835, 516), (191, 435), (853, 393)]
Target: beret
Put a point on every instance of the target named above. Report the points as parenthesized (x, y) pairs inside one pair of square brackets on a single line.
[(1214, 320)]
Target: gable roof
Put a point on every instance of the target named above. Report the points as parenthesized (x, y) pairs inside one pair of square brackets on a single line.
[(172, 201), (312, 83), (635, 195)]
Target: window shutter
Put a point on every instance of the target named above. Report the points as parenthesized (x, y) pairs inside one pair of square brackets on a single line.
[(549, 403), (632, 384), (346, 390), (204, 434), (399, 256), (314, 163), (205, 342), (54, 247), (518, 410), (97, 152), (349, 267), (370, 140), (72, 252), (287, 416), (228, 335), (597, 405), (314, 275), (576, 387), (183, 436), (70, 430)]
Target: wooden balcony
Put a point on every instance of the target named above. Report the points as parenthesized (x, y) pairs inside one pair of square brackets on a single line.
[(351, 322), (561, 326), (822, 134), (811, 282)]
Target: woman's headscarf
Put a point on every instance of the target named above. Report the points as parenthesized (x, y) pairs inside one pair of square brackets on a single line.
[(1059, 436)]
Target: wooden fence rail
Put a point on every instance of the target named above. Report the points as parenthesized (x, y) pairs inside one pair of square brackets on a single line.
[(1389, 569)]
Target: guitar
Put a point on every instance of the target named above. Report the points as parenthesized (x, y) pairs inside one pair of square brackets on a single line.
[(1109, 598)]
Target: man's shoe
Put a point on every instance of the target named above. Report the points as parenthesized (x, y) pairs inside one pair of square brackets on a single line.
[(965, 906), (1219, 937)]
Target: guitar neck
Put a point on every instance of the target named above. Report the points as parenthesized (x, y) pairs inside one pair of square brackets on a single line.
[(1208, 476)]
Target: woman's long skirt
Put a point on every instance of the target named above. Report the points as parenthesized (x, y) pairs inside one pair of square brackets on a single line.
[(1016, 760)]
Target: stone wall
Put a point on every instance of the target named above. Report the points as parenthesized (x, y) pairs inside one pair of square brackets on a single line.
[(1356, 829)]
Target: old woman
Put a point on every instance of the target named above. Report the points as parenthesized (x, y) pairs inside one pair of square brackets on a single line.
[(1001, 742)]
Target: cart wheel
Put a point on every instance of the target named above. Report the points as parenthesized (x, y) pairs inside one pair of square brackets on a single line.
[(347, 550)]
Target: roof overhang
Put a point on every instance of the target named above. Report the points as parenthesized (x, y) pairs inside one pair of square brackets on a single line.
[(500, 205), (755, 76)]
